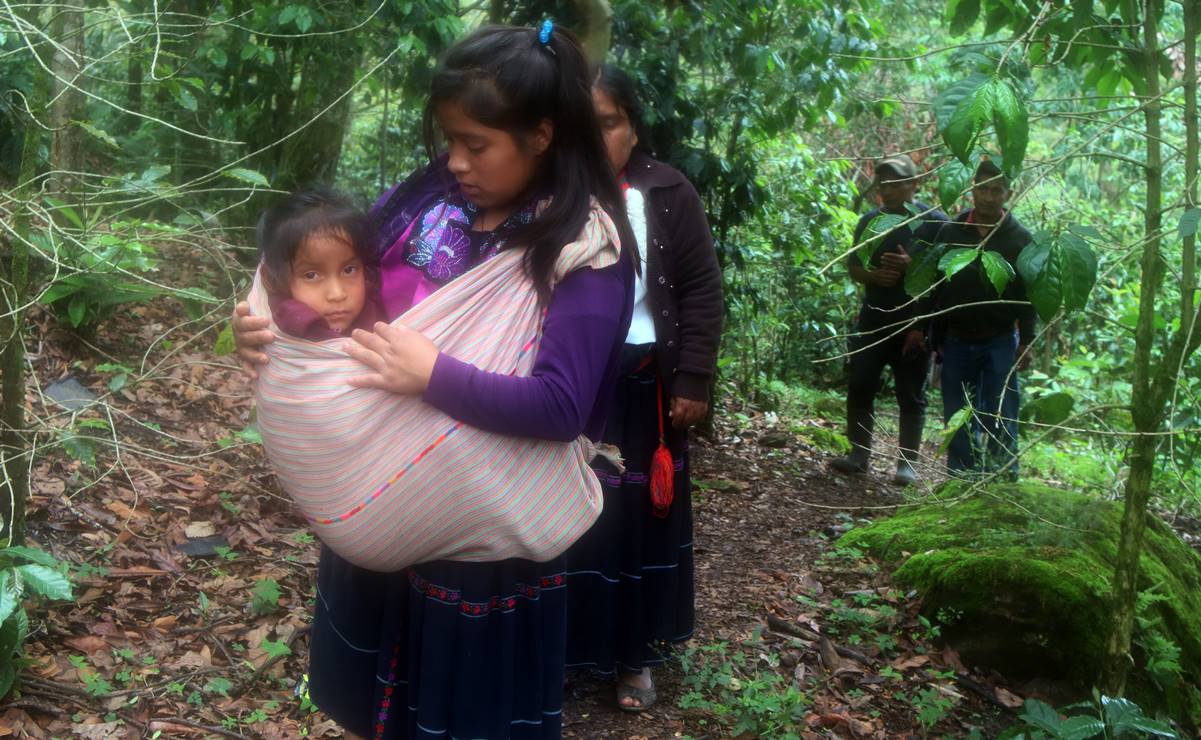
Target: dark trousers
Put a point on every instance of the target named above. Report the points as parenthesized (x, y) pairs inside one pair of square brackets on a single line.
[(975, 372), (868, 359)]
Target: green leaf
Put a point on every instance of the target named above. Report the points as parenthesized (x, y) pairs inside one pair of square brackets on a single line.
[(954, 424), (1011, 121), (45, 581), (962, 14), (954, 181), (225, 344), (155, 173), (923, 269), (1123, 715), (99, 133), (1079, 270), (947, 101), (250, 176), (10, 594), (957, 259), (77, 309), (218, 57), (304, 19), (1041, 715), (1053, 408), (218, 685), (287, 14), (997, 269), (972, 114), (265, 596), (80, 448), (8, 675), (1189, 221), (1040, 269), (185, 98), (275, 649), (31, 554), (10, 637), (251, 435), (1080, 728), (876, 230)]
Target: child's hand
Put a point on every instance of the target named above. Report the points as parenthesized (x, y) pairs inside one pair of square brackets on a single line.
[(403, 360), (250, 333)]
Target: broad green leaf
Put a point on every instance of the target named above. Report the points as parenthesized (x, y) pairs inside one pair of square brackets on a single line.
[(275, 649), (99, 133), (218, 57), (61, 208), (185, 98), (923, 269), (1042, 274), (10, 634), (225, 344), (10, 594), (1081, 728), (954, 180), (957, 259), (1011, 121), (218, 685), (954, 424), (1189, 221), (876, 230), (45, 581), (286, 15), (1052, 408), (997, 269), (1086, 232), (80, 448), (1041, 715), (962, 14), (265, 596), (304, 19), (77, 309), (1079, 270), (156, 172), (250, 176), (1123, 715), (31, 554), (972, 114), (947, 101)]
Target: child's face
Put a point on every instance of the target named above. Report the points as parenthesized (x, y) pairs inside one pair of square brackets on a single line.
[(327, 276), (492, 167)]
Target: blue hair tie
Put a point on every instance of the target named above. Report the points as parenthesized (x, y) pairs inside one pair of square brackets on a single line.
[(544, 32)]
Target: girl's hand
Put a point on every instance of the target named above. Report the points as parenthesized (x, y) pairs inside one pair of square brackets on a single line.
[(403, 360), (685, 412), (250, 333)]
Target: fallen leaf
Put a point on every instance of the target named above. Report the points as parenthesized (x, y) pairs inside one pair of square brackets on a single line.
[(1009, 699), (913, 661), (87, 643), (196, 530), (98, 731)]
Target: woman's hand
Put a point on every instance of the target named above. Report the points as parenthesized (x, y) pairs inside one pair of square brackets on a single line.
[(403, 360), (686, 412), (250, 333)]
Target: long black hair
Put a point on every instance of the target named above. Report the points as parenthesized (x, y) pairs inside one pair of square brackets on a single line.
[(505, 78), (620, 86)]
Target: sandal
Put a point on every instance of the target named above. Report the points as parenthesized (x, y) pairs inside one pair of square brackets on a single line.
[(644, 697)]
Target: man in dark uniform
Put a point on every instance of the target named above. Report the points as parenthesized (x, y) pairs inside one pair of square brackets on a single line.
[(890, 328), (984, 336)]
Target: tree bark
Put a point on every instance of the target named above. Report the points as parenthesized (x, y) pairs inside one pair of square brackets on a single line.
[(596, 31), (14, 445), (1189, 257), (66, 146), (1145, 401)]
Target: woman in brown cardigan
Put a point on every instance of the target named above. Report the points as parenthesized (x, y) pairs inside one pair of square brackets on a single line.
[(630, 578)]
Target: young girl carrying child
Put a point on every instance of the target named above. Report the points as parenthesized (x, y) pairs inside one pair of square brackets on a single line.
[(462, 649)]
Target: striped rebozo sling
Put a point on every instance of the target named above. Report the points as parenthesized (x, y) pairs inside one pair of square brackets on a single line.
[(388, 481)]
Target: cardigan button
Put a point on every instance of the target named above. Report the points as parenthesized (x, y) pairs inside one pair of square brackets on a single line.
[(666, 314), (671, 343), (662, 280)]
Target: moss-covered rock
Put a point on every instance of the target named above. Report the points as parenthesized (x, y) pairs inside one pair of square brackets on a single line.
[(1027, 570)]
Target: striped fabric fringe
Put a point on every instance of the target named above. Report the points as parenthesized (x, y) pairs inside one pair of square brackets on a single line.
[(388, 481)]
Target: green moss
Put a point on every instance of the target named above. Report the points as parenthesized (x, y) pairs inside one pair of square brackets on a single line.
[(824, 439), (1029, 568)]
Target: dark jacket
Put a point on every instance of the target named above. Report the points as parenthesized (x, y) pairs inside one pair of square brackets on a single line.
[(880, 304), (683, 280), (970, 285)]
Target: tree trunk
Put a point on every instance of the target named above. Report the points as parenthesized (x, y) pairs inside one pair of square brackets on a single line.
[(1189, 258), (66, 146), (596, 28), (1146, 403), (14, 446)]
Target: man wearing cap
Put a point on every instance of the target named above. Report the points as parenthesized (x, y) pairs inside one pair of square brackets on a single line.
[(983, 336), (890, 330)]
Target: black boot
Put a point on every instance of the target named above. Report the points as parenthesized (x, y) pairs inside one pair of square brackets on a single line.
[(911, 445), (859, 432)]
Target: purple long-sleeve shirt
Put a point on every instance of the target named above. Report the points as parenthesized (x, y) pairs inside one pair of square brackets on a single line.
[(575, 370)]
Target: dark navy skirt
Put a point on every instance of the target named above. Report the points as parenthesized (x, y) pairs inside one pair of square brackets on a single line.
[(630, 577), (441, 650)]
